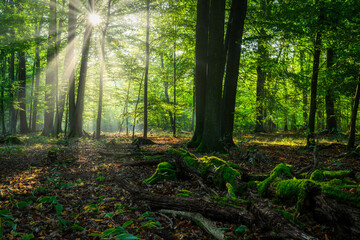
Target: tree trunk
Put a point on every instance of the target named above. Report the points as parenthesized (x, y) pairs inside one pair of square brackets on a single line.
[(331, 123), (61, 90), (77, 125), (201, 48), (351, 141), (102, 68), (70, 67), (146, 69), (166, 88), (50, 73), (22, 93), (2, 90), (260, 84), (37, 82), (314, 78), (135, 111), (174, 125), (211, 132), (235, 30), (12, 95)]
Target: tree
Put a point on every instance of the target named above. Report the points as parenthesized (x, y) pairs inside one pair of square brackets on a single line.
[(146, 69), (211, 132), (102, 66), (22, 93), (235, 29), (201, 49), (331, 124), (351, 141), (51, 72), (76, 129)]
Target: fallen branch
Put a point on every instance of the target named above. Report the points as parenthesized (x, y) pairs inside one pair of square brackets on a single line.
[(202, 222)]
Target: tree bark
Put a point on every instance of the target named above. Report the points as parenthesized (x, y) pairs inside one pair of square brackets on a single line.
[(2, 91), (12, 95), (50, 73), (77, 130), (260, 83), (235, 29), (70, 67), (174, 125), (331, 123), (146, 69), (22, 93), (211, 132), (37, 81), (201, 48), (314, 78), (351, 141), (102, 68)]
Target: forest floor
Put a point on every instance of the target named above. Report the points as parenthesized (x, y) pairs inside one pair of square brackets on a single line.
[(67, 189)]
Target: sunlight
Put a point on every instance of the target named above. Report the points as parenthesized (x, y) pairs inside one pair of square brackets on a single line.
[(94, 19)]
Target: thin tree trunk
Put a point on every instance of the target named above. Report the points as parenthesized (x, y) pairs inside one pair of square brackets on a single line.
[(2, 90), (22, 93), (235, 32), (37, 82), (50, 73), (102, 68), (260, 84), (331, 123), (174, 125), (12, 95), (70, 68), (146, 69), (136, 107), (314, 78), (77, 130), (201, 49), (351, 141)]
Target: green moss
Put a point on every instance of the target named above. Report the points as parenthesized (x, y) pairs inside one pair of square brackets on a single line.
[(154, 157), (294, 190), (346, 197), (319, 175), (281, 171), (225, 174), (231, 191), (291, 218), (164, 171), (335, 182), (258, 177)]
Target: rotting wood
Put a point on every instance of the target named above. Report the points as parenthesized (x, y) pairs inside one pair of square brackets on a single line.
[(201, 221)]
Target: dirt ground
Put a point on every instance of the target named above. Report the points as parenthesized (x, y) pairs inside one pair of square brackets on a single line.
[(67, 189)]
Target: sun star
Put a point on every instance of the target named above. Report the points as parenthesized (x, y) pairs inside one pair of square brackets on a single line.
[(94, 19)]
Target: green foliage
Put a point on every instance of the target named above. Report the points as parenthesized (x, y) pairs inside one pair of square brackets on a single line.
[(164, 170), (281, 171)]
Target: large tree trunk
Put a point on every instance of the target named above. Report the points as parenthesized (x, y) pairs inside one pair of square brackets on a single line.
[(146, 69), (22, 93), (70, 67), (201, 49), (50, 73), (235, 29), (77, 125), (211, 132), (314, 78), (331, 124), (351, 141)]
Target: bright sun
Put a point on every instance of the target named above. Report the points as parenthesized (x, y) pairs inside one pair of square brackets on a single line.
[(94, 19)]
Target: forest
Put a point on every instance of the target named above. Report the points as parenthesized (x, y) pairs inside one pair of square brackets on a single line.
[(166, 119)]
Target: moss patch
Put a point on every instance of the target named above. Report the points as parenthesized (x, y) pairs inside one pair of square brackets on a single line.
[(281, 171), (164, 170), (319, 175)]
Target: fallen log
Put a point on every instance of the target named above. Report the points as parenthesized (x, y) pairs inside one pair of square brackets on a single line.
[(263, 218)]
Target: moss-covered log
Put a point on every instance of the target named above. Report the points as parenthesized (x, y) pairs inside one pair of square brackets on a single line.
[(221, 173)]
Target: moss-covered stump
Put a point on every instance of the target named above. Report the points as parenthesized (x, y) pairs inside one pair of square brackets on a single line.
[(10, 140), (142, 141), (165, 171), (221, 173)]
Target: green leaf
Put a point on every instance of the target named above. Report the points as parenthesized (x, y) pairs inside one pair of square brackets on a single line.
[(126, 236), (28, 236), (59, 209), (128, 223)]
